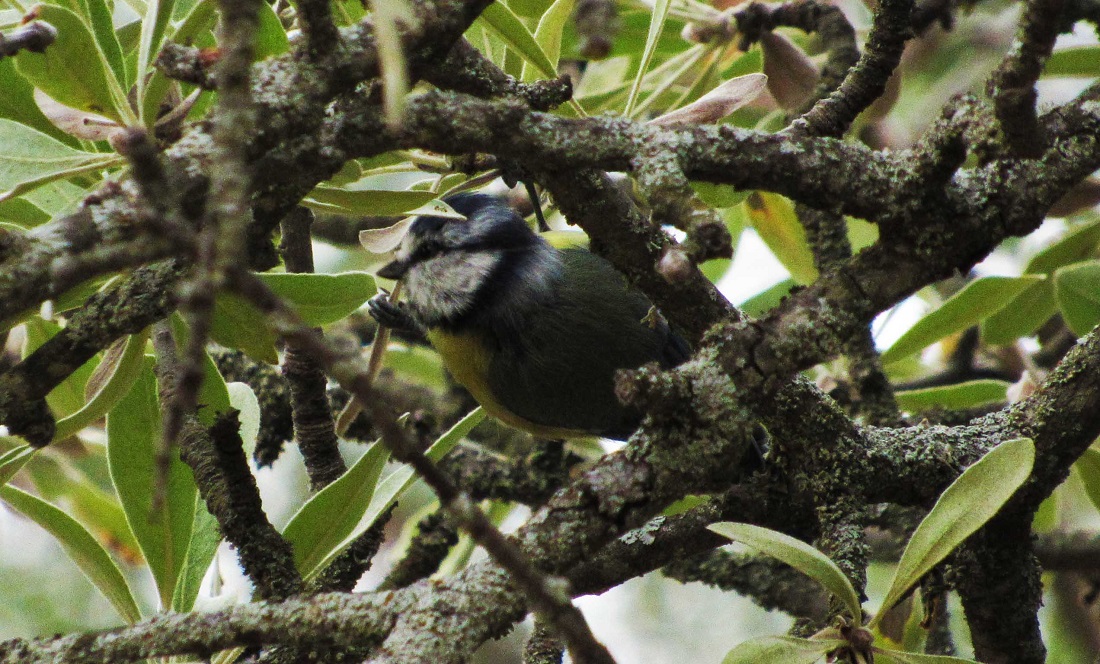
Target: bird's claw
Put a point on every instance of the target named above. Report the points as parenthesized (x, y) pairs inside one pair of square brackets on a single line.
[(392, 314)]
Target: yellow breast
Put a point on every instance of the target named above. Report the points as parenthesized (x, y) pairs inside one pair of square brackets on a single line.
[(467, 358)]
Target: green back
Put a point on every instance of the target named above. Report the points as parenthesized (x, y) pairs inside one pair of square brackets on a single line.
[(561, 372)]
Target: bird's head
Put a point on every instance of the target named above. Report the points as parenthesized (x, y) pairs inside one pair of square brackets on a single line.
[(452, 267)]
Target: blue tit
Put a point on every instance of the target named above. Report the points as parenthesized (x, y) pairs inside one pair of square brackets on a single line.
[(535, 333)]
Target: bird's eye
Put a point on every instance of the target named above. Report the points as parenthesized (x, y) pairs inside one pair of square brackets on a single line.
[(427, 249)]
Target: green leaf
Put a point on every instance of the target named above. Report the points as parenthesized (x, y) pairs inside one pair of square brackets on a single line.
[(158, 13), (13, 460), (861, 234), (1087, 467), (319, 299), (977, 300), (504, 22), (238, 324), (327, 518), (776, 223), (603, 76), (195, 17), (548, 36), (1022, 316), (764, 301), (1077, 61), (721, 196), (1077, 288), (886, 656), (133, 438), (656, 25), (244, 400), (781, 650), (271, 39), (154, 92), (971, 500), (1079, 244), (417, 363), (194, 27), (29, 159), (22, 213), (74, 69), (1049, 515), (88, 554), (798, 555), (1036, 304), (397, 482), (57, 197), (205, 535), (122, 373), (17, 103), (62, 482), (99, 17), (958, 396), (374, 202)]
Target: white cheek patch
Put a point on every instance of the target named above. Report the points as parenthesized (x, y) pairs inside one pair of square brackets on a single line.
[(404, 250), (446, 286)]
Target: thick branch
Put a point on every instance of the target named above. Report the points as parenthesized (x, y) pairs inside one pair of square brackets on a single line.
[(125, 308), (314, 425), (1012, 86), (865, 82)]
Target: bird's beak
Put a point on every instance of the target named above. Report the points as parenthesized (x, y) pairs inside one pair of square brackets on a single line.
[(394, 269)]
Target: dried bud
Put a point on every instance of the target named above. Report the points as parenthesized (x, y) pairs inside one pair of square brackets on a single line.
[(704, 32), (1022, 388), (675, 266), (34, 36), (886, 100), (792, 76), (595, 47), (709, 239), (597, 22), (72, 121), (716, 104), (208, 57), (1083, 196)]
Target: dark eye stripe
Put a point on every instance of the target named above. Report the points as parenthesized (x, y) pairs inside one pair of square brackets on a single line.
[(426, 250)]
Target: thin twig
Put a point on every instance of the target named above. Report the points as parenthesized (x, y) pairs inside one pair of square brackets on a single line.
[(865, 82), (35, 37), (315, 18), (314, 426), (433, 541), (1012, 85), (374, 365), (226, 484), (221, 240)]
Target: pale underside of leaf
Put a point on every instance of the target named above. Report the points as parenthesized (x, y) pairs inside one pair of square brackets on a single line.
[(718, 103), (385, 240), (964, 507), (798, 555), (781, 650), (72, 121)]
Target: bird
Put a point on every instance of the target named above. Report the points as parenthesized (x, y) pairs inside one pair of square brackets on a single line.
[(535, 333)]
